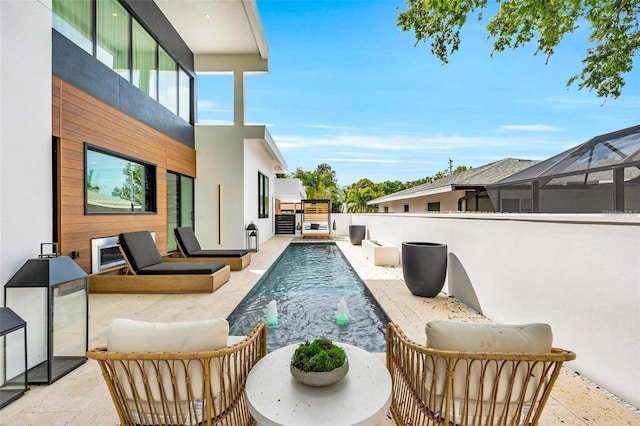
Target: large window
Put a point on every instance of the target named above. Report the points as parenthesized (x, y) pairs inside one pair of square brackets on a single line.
[(263, 196), (112, 32), (179, 205), (105, 29), (72, 19), (118, 184), (145, 54), (184, 90), (168, 79)]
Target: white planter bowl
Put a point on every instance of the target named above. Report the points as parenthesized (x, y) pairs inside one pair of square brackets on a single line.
[(313, 378)]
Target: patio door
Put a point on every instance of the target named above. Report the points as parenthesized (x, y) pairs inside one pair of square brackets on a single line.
[(180, 202)]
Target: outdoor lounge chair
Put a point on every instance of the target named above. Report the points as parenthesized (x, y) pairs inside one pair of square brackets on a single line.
[(150, 274), (472, 374), (190, 249), (184, 373)]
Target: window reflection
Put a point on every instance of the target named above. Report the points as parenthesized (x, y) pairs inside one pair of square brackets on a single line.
[(118, 185)]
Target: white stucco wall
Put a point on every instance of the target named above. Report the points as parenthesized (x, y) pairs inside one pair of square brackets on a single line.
[(257, 159), (25, 132), (219, 161), (579, 273)]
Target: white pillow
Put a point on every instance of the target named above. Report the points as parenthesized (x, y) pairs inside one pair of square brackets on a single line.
[(474, 337), (125, 335)]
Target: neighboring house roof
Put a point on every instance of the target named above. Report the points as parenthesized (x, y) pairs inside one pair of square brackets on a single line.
[(470, 179)]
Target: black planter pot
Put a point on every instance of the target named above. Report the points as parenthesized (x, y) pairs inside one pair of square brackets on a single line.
[(356, 234), (424, 266)]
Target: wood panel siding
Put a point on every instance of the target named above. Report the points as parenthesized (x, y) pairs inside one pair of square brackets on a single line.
[(78, 118)]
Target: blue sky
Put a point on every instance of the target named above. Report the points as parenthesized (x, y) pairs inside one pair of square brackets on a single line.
[(347, 87)]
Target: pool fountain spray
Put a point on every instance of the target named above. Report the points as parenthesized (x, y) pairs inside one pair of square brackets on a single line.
[(272, 314), (342, 314)]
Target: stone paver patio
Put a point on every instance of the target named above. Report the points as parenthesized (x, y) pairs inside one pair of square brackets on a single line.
[(81, 397)]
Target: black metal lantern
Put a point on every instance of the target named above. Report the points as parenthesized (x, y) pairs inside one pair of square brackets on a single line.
[(13, 339), (50, 293), (252, 237)]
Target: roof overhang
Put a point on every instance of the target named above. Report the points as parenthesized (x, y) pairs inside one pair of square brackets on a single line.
[(261, 134), (227, 33)]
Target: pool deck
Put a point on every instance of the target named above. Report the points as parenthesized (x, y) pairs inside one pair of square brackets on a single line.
[(81, 397)]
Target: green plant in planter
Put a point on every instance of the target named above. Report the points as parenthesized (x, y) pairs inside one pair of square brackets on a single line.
[(319, 355)]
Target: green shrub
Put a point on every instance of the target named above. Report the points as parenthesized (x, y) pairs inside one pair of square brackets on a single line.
[(319, 355)]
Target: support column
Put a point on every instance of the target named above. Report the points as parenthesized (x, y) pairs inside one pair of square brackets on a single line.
[(238, 98)]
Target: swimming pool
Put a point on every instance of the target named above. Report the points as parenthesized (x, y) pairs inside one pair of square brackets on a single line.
[(307, 283)]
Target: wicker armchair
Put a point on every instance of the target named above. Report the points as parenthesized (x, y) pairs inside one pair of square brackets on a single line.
[(182, 388), (441, 387)]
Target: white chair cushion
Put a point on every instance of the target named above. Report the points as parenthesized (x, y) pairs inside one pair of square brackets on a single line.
[(124, 335), (484, 379), (473, 337)]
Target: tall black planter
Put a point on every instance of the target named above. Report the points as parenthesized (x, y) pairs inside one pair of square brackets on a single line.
[(356, 234), (424, 266)]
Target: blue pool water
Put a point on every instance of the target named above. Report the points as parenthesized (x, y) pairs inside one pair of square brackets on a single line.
[(307, 282)]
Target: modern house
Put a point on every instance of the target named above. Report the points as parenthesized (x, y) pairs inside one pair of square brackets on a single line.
[(464, 191), (99, 132)]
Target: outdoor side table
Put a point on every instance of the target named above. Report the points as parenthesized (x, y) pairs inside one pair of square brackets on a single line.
[(274, 397)]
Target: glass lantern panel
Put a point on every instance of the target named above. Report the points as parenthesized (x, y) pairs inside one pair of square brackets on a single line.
[(69, 325), (12, 358), (30, 303)]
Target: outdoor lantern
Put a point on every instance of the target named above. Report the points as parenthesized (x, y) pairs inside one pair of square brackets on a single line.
[(13, 339), (50, 293), (252, 237)]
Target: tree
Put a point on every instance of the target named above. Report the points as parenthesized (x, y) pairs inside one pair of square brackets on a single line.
[(389, 187), (358, 194), (614, 38), (320, 184)]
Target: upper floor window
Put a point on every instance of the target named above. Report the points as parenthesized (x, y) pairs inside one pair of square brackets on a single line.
[(122, 44), (145, 54), (184, 90), (72, 19), (112, 33), (115, 183), (168, 81)]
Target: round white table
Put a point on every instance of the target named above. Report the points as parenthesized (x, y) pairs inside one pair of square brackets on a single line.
[(363, 397)]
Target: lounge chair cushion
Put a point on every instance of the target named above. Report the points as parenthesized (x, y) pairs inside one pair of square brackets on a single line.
[(188, 241), (125, 335), (473, 337), (140, 249), (219, 253), (179, 268)]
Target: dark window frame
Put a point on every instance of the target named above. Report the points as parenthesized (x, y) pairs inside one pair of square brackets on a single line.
[(150, 182), (263, 196)]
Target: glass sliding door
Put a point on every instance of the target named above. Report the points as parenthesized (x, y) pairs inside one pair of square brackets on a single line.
[(179, 205)]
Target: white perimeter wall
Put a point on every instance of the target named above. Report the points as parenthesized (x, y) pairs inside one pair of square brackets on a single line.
[(25, 133), (579, 273)]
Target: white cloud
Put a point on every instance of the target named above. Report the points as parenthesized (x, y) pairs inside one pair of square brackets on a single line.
[(529, 127), (205, 106)]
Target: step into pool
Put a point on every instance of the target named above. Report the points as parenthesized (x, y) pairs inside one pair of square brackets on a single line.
[(307, 283)]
